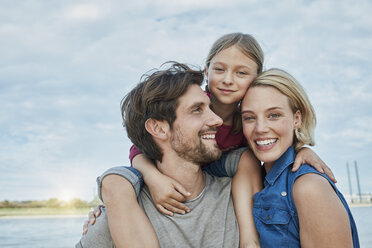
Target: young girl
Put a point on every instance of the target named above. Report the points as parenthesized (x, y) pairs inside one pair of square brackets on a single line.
[(233, 62), (301, 209)]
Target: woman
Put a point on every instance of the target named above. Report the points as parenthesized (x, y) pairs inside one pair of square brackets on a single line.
[(302, 208)]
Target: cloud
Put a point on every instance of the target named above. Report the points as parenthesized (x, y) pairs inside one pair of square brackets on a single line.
[(86, 12), (64, 73), (356, 137)]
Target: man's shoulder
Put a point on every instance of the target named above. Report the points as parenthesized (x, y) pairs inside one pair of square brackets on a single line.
[(98, 235), (218, 184), (216, 179)]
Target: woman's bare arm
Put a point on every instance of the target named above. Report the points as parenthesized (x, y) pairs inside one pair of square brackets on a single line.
[(323, 219)]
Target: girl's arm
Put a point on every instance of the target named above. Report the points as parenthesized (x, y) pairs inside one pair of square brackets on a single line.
[(166, 193), (246, 182), (323, 219), (308, 156)]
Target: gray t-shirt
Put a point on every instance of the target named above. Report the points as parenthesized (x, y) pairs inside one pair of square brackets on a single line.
[(211, 222)]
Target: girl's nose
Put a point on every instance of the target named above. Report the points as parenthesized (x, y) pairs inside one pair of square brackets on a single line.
[(228, 79)]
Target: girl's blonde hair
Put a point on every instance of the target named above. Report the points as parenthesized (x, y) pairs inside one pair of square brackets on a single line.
[(245, 42), (248, 45), (297, 98)]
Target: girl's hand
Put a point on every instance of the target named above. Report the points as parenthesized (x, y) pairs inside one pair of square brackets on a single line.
[(92, 216), (168, 195), (308, 156)]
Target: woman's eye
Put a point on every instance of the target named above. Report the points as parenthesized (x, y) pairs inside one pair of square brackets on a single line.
[(242, 73), (274, 116)]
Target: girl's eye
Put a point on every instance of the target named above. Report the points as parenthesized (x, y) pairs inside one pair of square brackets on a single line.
[(217, 69), (242, 73), (248, 118)]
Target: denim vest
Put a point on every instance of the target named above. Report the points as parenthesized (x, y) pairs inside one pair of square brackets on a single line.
[(274, 211)]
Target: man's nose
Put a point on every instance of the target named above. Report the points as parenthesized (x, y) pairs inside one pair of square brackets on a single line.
[(214, 120)]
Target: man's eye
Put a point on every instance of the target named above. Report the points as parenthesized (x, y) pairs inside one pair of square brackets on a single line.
[(197, 110)]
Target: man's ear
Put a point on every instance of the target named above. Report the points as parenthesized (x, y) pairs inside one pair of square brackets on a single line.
[(206, 71), (158, 129)]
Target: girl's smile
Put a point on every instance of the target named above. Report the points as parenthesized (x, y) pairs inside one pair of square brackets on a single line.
[(229, 74)]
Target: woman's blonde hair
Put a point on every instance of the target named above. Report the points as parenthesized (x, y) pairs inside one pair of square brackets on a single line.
[(297, 98)]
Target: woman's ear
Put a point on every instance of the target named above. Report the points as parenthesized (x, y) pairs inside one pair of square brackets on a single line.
[(158, 129), (297, 119)]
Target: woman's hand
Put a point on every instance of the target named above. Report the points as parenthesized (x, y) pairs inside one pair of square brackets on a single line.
[(308, 156), (92, 216)]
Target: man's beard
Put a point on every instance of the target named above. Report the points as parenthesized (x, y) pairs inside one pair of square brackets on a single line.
[(194, 151)]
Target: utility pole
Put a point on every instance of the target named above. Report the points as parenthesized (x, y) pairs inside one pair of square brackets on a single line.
[(357, 176), (348, 177)]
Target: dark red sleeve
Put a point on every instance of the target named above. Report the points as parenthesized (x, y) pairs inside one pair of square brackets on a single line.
[(134, 151)]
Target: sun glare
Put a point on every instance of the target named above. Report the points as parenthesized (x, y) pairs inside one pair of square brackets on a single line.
[(65, 196)]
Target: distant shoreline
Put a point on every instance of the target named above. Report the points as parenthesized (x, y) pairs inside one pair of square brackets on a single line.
[(43, 212), (58, 216), (360, 205)]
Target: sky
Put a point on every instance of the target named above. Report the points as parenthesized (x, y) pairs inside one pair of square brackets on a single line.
[(66, 65)]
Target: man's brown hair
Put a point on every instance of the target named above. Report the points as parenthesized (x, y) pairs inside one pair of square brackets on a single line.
[(156, 97)]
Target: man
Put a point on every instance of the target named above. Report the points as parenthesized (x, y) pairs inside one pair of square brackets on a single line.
[(167, 116)]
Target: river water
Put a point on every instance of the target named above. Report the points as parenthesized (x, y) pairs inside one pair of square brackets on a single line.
[(65, 231)]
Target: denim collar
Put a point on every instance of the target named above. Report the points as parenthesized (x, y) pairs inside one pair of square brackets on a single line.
[(280, 165)]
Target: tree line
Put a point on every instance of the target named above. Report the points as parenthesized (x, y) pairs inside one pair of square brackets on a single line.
[(51, 203)]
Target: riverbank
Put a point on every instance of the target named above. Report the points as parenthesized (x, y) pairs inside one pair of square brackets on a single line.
[(42, 212), (360, 205)]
